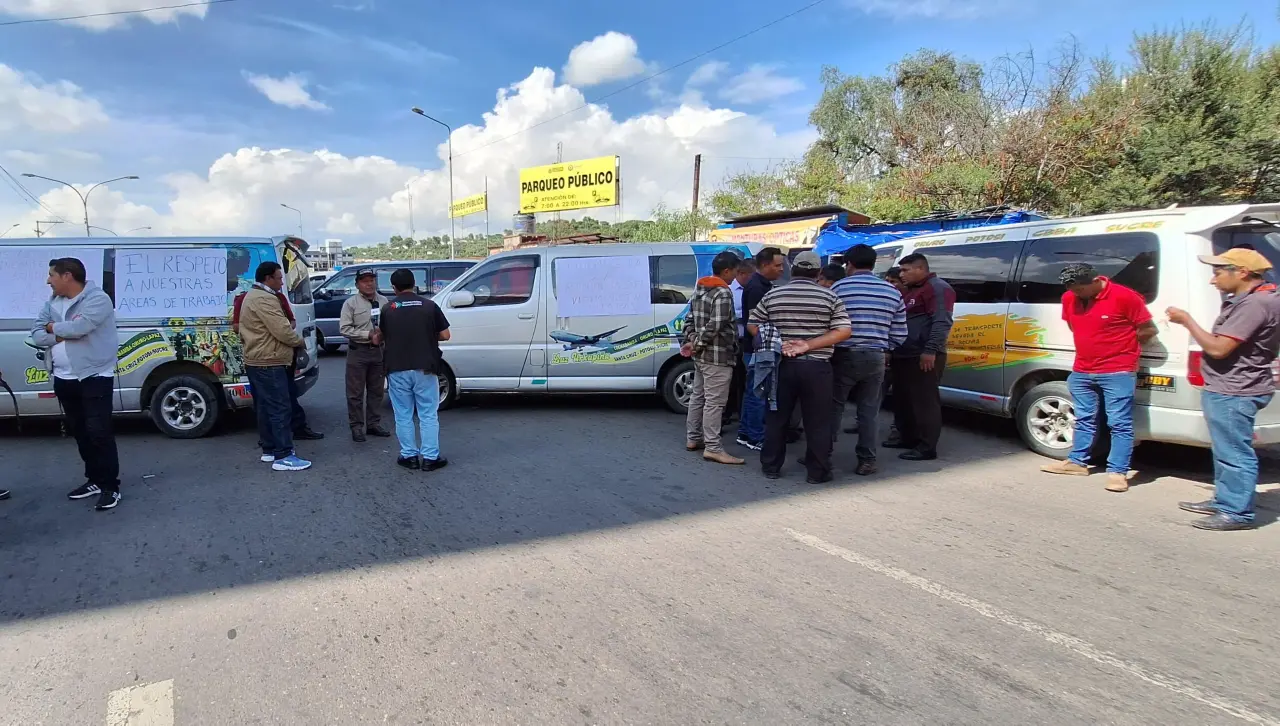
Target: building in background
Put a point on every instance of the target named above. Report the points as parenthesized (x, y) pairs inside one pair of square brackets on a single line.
[(329, 256)]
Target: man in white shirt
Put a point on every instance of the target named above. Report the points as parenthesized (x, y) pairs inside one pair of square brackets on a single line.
[(78, 328), (746, 269)]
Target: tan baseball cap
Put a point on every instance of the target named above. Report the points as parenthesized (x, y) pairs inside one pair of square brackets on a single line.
[(1251, 260)]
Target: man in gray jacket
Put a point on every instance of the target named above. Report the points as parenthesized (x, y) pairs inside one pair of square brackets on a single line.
[(77, 327)]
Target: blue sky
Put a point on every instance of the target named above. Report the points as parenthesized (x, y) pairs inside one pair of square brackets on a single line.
[(176, 97)]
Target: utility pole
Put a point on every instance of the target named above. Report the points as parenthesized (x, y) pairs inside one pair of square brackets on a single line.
[(408, 187), (693, 217), (486, 211), (559, 158), (40, 232)]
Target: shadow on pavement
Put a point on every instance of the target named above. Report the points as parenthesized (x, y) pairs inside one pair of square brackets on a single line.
[(204, 515)]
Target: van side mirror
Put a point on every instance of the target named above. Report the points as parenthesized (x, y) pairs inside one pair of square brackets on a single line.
[(322, 294), (462, 299)]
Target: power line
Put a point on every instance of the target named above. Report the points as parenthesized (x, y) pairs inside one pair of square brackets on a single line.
[(25, 193), (648, 78), (114, 12)]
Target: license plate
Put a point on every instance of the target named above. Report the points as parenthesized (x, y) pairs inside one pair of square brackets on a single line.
[(1155, 382)]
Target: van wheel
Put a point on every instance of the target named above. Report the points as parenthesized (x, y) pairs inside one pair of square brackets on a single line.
[(185, 407), (677, 387), (448, 389), (1046, 419)]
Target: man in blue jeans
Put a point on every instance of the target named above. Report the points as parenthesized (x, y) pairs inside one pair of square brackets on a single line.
[(1238, 382), (412, 327), (769, 267), (1109, 323)]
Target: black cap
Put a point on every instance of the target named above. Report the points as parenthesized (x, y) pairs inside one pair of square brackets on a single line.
[(365, 272)]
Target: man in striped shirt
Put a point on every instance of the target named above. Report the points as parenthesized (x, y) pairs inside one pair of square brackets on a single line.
[(879, 320), (811, 320)]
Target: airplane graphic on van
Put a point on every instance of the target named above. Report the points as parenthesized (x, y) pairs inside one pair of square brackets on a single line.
[(574, 341)]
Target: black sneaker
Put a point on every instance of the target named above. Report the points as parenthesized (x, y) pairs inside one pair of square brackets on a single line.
[(108, 500), (409, 462), (433, 464), (358, 436), (84, 491), (4, 494), (753, 445), (1207, 507), (308, 434), (379, 432), (772, 475)]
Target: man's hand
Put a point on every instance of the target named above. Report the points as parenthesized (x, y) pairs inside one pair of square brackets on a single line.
[(927, 361), (793, 348), (48, 328), (375, 338), (686, 350), (1177, 315)]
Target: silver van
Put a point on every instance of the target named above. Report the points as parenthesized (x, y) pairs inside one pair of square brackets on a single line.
[(1010, 352), (510, 333), (183, 372)]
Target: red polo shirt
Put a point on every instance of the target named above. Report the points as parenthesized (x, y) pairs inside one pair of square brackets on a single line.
[(1106, 329)]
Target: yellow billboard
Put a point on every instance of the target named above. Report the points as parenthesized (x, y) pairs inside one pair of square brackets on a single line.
[(569, 185), (470, 205), (798, 233)]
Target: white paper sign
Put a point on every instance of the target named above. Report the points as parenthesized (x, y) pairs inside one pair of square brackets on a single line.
[(24, 276), (600, 286), (171, 283)]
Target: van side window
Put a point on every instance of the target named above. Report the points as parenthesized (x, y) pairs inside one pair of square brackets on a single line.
[(978, 273), (1131, 259), (504, 282), (887, 258), (344, 283), (442, 275), (384, 280), (674, 278)]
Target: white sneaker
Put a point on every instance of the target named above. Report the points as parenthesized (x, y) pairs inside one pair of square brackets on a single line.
[(267, 458), (291, 463)]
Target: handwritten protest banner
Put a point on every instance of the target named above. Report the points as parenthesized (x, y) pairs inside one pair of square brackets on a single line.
[(188, 283), (24, 275), (602, 286)]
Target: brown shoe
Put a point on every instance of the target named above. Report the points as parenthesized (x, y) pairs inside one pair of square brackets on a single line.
[(720, 457), (693, 445), (1069, 468), (1117, 483)]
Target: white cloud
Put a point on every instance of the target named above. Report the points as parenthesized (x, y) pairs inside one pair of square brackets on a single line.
[(759, 83), (707, 73), (59, 107), (68, 8), (609, 57), (290, 91), (363, 198)]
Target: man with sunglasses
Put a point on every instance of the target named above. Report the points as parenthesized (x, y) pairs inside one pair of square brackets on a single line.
[(1238, 382)]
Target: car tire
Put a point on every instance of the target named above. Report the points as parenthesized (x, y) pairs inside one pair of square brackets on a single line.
[(677, 387), (448, 389), (1046, 419), (185, 407)]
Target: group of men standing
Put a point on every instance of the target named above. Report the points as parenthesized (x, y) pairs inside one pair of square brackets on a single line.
[(1110, 323), (811, 345)]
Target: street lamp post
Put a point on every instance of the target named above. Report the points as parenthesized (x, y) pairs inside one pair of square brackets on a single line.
[(11, 228), (286, 206), (452, 235), (137, 229), (84, 198), (104, 229)]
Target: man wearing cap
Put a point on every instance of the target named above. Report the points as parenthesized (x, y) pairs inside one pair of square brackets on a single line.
[(810, 320), (1238, 382), (1109, 323), (366, 377)]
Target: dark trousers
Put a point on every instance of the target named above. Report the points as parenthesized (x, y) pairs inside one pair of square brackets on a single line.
[(297, 416), (806, 383), (860, 373), (87, 405), (271, 402), (736, 388), (917, 403), (365, 375)]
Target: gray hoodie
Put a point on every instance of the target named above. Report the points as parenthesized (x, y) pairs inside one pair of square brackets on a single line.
[(88, 329)]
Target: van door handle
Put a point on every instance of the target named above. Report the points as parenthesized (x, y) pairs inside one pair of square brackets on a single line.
[(525, 316)]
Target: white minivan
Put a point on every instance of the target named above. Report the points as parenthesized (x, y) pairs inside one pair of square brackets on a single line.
[(510, 333), (1010, 352)]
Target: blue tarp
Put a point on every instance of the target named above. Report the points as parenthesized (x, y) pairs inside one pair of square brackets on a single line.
[(834, 239)]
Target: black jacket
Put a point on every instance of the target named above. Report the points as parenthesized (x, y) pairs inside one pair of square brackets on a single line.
[(752, 293), (411, 327)]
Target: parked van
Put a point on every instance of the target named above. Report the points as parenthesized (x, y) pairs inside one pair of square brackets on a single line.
[(509, 334), (181, 371), (430, 277), (1010, 352)]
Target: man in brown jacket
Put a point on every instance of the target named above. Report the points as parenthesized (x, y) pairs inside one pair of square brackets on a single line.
[(269, 341)]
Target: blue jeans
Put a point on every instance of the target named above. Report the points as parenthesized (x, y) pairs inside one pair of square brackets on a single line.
[(751, 423), (1235, 463), (1115, 392), (272, 404), (410, 390)]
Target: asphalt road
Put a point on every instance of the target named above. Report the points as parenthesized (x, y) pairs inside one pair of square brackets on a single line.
[(575, 565)]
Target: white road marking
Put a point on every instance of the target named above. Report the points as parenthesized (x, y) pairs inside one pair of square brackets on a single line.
[(149, 705), (1070, 642)]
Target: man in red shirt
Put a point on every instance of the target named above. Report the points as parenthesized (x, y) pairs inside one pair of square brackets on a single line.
[(1110, 323)]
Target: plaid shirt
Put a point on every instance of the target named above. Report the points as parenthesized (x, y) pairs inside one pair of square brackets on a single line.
[(711, 326)]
